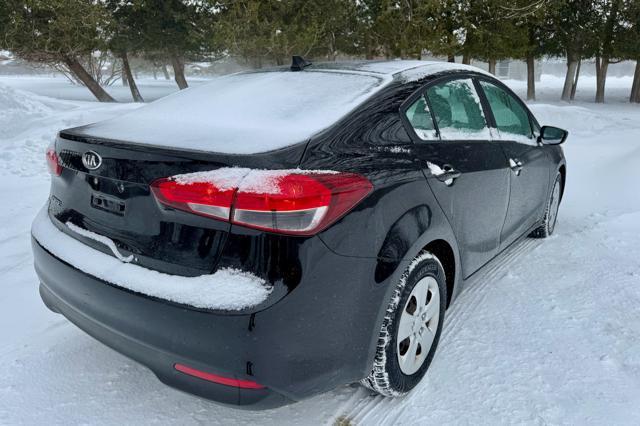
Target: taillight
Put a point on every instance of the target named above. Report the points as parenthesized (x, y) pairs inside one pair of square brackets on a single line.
[(197, 197), (300, 203), (52, 161)]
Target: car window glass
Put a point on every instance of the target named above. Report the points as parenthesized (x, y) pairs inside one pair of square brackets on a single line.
[(511, 118), (457, 110), (420, 118)]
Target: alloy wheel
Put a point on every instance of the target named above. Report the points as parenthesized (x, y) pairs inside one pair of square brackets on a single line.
[(418, 325)]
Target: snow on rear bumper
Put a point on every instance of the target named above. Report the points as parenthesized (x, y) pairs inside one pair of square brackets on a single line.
[(226, 289), (156, 334)]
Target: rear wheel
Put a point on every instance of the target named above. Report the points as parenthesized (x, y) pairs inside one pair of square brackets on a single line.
[(551, 213), (411, 328)]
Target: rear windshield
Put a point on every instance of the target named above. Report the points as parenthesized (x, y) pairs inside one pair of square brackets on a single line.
[(244, 113)]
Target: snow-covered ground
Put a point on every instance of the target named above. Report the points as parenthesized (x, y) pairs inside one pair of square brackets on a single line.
[(548, 333), (60, 88)]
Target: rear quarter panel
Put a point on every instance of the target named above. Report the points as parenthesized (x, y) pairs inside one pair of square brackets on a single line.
[(402, 215)]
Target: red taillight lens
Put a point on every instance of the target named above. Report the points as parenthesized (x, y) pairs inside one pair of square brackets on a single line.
[(227, 381), (301, 204), (198, 197), (52, 161), (297, 203)]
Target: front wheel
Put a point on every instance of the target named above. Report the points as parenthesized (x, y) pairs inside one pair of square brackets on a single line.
[(551, 212), (411, 328)]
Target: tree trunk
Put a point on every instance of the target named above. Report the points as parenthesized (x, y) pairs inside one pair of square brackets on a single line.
[(178, 72), (635, 88), (492, 66), (572, 66), (451, 58), (165, 71), (574, 86), (81, 74), (602, 65), (466, 58), (331, 53), (634, 96), (604, 58), (135, 93), (531, 78), (123, 75)]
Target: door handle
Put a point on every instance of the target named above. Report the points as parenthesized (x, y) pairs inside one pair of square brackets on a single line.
[(516, 165), (446, 173)]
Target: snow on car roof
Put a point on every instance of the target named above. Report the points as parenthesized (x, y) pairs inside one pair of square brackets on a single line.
[(244, 113)]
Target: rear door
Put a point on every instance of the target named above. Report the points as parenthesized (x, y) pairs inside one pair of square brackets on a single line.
[(528, 162), (466, 170)]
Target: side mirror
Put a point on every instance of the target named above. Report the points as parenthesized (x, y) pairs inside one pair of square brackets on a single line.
[(550, 135)]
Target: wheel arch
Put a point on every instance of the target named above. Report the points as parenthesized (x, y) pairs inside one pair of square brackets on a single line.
[(445, 254), (563, 178)]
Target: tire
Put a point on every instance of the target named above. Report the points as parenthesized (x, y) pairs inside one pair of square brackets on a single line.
[(551, 212), (395, 371)]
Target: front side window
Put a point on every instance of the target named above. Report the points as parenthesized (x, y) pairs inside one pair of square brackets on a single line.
[(420, 118), (458, 111), (512, 120)]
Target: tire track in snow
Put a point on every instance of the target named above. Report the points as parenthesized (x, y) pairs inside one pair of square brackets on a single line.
[(474, 291), (467, 303)]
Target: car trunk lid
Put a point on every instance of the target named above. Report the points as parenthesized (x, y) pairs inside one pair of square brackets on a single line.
[(114, 201)]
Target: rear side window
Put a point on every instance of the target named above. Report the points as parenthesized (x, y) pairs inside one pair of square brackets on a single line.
[(511, 117), (420, 118), (457, 110)]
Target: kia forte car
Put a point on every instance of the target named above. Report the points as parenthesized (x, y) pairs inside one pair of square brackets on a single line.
[(272, 235)]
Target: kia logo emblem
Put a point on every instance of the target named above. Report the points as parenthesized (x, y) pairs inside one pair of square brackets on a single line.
[(91, 160)]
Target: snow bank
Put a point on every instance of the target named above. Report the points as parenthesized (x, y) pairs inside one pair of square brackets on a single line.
[(29, 122), (16, 107), (227, 289), (244, 113)]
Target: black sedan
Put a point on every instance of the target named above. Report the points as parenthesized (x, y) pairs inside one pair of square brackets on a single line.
[(272, 235)]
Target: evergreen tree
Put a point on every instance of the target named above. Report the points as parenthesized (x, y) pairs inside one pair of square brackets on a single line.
[(573, 36), (399, 27), (630, 44), (609, 30), (491, 34), (126, 38), (445, 20), (531, 21), (271, 31), (58, 32), (177, 30)]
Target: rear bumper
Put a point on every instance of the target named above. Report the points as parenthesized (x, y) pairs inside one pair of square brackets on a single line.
[(155, 334), (316, 338)]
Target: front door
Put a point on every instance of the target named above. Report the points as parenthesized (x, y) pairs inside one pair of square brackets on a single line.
[(528, 162)]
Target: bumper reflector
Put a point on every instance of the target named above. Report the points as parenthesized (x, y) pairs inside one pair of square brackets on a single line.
[(236, 383)]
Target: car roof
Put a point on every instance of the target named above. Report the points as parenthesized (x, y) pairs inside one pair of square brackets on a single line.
[(406, 70)]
